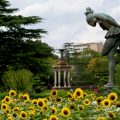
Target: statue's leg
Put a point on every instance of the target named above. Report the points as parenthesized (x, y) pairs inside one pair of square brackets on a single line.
[(111, 65)]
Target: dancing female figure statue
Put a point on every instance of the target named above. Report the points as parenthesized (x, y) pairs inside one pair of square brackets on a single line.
[(112, 42)]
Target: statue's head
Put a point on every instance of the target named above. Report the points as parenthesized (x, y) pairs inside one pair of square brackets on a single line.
[(91, 20), (88, 11)]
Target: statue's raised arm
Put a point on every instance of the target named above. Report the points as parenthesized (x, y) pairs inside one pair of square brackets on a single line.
[(112, 42)]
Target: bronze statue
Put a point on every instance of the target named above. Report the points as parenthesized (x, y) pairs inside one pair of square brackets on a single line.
[(112, 42)]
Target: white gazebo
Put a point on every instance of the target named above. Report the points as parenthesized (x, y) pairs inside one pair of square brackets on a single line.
[(61, 73)]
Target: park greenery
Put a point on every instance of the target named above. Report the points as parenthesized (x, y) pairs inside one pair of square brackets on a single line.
[(26, 76)]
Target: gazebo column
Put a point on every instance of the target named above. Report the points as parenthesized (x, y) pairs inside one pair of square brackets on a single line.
[(68, 79), (59, 79), (55, 78), (64, 78)]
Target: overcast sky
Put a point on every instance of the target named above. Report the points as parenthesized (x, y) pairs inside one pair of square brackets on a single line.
[(65, 20)]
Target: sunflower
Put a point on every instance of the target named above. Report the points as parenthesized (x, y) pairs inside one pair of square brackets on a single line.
[(34, 101), (69, 95), (9, 118), (99, 100), (44, 119), (93, 96), (45, 108), (16, 109), (12, 93), (32, 113), (4, 106), (8, 115), (31, 108), (113, 96), (106, 103), (78, 93), (15, 115), (58, 99), (53, 117), (80, 107), (101, 118), (45, 100), (54, 92), (20, 96), (7, 99), (7, 111), (87, 102), (26, 97), (41, 103), (3, 101), (72, 106), (23, 115), (54, 110), (85, 94), (111, 114), (65, 112), (118, 104)]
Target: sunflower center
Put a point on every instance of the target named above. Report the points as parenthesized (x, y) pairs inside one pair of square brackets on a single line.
[(53, 110), (81, 108), (12, 94), (58, 99), (54, 93), (23, 115), (7, 111), (78, 93), (69, 96), (118, 105), (35, 102), (65, 112), (106, 103), (72, 107), (14, 115), (53, 118), (16, 109), (7, 99), (98, 100), (87, 102), (4, 107), (40, 103), (112, 97), (111, 115), (25, 97), (45, 108)]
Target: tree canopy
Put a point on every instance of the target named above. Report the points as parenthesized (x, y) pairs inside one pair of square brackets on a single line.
[(20, 45), (88, 68)]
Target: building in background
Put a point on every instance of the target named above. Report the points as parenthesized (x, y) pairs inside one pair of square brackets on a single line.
[(79, 47), (71, 48)]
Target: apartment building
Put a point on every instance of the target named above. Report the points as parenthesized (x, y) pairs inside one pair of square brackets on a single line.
[(79, 47)]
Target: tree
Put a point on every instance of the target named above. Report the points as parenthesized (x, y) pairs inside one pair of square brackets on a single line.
[(98, 70), (80, 62), (68, 51), (14, 24), (20, 46)]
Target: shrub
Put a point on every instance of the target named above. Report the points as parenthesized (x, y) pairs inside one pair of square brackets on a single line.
[(20, 80)]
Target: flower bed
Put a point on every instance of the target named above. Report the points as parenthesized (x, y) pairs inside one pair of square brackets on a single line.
[(76, 105)]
